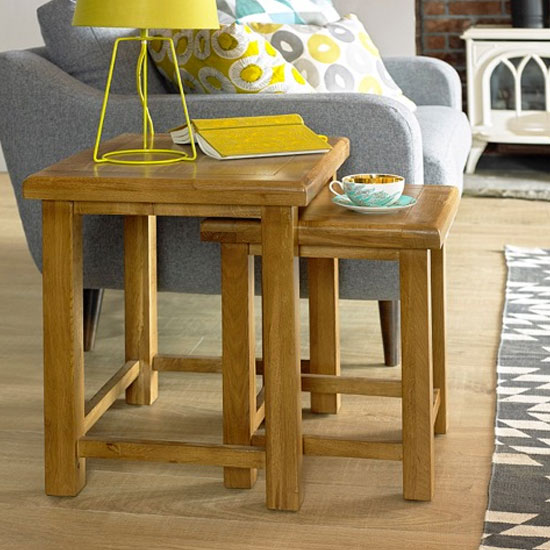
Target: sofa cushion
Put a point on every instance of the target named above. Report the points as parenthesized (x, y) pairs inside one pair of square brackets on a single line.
[(85, 52), (446, 140), (336, 57), (279, 11), (232, 59)]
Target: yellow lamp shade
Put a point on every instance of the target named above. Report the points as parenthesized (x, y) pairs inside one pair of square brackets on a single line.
[(147, 14)]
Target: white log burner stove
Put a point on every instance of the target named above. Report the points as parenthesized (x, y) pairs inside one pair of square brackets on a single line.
[(508, 75)]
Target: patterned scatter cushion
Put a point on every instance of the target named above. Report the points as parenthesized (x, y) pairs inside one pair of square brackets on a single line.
[(233, 59), (336, 57), (316, 12)]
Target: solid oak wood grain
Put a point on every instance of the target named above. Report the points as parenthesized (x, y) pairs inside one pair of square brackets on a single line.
[(177, 452), (151, 209), (327, 230), (107, 395), (208, 187), (324, 329), (426, 225), (65, 472), (140, 299), (337, 446), (347, 501), (259, 415), (353, 385), (417, 377), (439, 335), (187, 363), (349, 253), (437, 405), (197, 363), (238, 357), (205, 187), (325, 225), (280, 314), (317, 445), (283, 181), (248, 232)]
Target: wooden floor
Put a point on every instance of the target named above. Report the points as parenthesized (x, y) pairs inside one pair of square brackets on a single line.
[(348, 503)]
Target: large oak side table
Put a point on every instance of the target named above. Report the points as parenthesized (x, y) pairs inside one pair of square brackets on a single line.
[(271, 189)]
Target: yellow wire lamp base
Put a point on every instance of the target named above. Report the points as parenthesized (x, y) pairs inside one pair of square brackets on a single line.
[(151, 156)]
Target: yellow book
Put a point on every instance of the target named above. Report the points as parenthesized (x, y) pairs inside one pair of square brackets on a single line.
[(252, 137)]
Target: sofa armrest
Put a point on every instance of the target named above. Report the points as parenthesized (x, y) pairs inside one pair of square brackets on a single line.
[(385, 135), (48, 115), (426, 80)]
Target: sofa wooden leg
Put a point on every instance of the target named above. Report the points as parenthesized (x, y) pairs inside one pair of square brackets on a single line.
[(390, 323), (93, 299)]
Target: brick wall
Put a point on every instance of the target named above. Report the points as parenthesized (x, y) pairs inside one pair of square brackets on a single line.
[(441, 22)]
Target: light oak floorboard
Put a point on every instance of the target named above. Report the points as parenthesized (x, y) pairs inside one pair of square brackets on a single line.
[(348, 503)]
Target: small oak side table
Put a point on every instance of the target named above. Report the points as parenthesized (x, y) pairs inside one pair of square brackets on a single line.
[(416, 239), (271, 189)]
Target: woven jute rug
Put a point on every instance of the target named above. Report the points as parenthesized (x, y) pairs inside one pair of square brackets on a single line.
[(529, 185), (518, 515)]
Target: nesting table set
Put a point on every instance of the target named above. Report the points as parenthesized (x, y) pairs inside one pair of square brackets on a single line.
[(278, 208)]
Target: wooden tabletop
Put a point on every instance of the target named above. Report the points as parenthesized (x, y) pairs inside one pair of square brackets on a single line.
[(424, 225), (274, 181), (323, 223)]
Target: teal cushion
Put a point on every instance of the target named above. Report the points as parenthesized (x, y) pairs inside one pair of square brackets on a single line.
[(308, 12), (85, 52)]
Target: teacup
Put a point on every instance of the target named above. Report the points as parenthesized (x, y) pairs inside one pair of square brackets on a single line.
[(370, 189)]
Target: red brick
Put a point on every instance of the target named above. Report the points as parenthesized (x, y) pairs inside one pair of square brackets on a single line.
[(457, 25), (456, 59), (434, 8), (455, 42), (443, 21), (475, 8), (446, 25), (435, 42)]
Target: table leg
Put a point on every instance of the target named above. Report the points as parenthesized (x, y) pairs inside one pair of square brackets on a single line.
[(439, 336), (416, 334), (140, 298), (281, 353), (238, 356), (63, 348), (324, 329)]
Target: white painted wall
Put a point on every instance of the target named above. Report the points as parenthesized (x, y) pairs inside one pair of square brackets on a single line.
[(18, 29), (390, 23)]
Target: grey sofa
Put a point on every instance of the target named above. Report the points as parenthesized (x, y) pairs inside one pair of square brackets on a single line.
[(46, 114)]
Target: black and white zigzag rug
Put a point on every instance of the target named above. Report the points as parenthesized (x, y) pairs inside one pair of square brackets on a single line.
[(518, 517)]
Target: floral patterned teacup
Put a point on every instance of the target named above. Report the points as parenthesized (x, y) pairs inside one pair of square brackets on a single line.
[(370, 189)]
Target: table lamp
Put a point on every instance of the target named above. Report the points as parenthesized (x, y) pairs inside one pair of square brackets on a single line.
[(145, 15)]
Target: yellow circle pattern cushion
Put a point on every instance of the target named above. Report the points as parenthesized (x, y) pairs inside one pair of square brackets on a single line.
[(233, 59), (335, 57), (323, 48)]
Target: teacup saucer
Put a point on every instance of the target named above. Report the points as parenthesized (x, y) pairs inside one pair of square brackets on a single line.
[(403, 203)]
